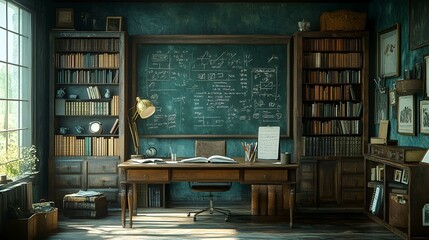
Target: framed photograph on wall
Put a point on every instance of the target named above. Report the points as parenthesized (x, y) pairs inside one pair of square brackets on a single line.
[(426, 77), (398, 175), (419, 36), (424, 116), (381, 108), (114, 24), (388, 52), (406, 115), (64, 18)]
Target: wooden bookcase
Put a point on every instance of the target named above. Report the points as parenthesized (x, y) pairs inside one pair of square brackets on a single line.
[(82, 63), (404, 218), (330, 114)]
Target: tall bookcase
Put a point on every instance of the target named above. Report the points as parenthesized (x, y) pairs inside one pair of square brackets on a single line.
[(330, 118), (88, 87)]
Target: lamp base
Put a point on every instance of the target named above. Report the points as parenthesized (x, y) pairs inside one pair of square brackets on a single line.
[(136, 156)]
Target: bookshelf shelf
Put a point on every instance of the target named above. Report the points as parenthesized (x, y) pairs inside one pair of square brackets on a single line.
[(331, 118), (88, 68)]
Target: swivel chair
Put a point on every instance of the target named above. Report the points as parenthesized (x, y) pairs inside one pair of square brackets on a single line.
[(207, 149)]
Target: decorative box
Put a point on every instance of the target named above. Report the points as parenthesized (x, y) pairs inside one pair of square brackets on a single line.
[(84, 207), (400, 154), (343, 20)]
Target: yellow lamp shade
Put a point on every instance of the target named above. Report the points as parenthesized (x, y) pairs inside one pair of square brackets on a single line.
[(144, 108)]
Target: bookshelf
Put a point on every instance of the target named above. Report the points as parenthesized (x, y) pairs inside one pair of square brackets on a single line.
[(393, 199), (330, 118), (88, 87)]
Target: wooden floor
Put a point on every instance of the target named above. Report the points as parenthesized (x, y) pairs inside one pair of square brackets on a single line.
[(173, 223)]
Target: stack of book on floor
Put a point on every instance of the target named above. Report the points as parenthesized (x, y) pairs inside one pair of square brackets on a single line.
[(85, 204)]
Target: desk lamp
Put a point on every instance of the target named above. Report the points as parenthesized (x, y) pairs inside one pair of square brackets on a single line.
[(143, 108)]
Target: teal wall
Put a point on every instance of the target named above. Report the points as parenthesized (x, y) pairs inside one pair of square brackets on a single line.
[(203, 18), (384, 14)]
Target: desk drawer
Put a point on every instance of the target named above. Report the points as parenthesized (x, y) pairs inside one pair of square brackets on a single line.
[(205, 175), (265, 175), (147, 175)]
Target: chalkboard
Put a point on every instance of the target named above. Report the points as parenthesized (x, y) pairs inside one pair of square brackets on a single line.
[(419, 34), (213, 85)]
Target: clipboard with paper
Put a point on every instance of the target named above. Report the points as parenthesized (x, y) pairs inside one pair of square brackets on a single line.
[(268, 142)]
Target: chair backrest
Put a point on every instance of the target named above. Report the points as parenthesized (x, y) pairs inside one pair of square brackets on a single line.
[(207, 148)]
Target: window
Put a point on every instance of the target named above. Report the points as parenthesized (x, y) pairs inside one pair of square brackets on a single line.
[(15, 88)]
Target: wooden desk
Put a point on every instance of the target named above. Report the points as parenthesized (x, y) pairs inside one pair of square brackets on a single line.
[(243, 172)]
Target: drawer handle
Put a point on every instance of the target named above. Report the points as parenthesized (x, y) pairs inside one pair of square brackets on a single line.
[(266, 177), (145, 177)]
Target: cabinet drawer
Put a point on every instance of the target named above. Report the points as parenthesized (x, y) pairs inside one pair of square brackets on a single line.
[(68, 167), (352, 181), (102, 180), (148, 175), (68, 181), (265, 175), (102, 166), (352, 197), (206, 175), (352, 166)]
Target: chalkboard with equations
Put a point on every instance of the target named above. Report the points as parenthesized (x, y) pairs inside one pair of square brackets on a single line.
[(212, 85)]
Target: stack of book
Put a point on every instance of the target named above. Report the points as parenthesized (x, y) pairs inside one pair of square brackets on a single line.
[(85, 204)]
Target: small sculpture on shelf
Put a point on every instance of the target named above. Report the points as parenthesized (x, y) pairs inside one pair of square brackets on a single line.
[(107, 93), (79, 129), (61, 92)]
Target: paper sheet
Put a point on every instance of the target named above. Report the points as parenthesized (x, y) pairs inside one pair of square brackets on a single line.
[(268, 142)]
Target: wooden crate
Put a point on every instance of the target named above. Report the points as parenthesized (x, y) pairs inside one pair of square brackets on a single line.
[(33, 226), (342, 20)]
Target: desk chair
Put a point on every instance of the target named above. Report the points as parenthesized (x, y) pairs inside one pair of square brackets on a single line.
[(207, 149)]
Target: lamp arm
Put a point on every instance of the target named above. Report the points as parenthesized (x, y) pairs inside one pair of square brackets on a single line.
[(134, 133)]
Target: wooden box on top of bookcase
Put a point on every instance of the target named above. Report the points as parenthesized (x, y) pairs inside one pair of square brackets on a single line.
[(330, 117), (87, 86)]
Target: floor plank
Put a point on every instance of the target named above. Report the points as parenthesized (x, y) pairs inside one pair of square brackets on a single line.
[(173, 223)]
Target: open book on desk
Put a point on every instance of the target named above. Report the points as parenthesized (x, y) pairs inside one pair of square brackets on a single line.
[(212, 159), (148, 160)]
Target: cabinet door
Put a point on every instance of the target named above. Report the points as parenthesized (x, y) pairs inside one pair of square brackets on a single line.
[(327, 182)]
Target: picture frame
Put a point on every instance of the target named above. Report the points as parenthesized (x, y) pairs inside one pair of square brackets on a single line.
[(425, 214), (406, 115), (388, 52), (424, 116), (392, 97), (398, 175), (381, 108), (404, 178), (114, 24), (426, 77), (418, 24), (64, 18)]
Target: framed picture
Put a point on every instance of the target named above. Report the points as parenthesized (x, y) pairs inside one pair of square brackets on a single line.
[(398, 175), (392, 97), (114, 24), (404, 176), (426, 77), (419, 36), (64, 18), (406, 115), (381, 108), (424, 116), (388, 51)]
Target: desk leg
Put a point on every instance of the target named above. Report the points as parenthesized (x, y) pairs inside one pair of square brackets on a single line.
[(291, 205), (130, 205), (123, 203)]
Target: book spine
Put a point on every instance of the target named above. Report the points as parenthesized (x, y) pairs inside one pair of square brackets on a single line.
[(255, 200)]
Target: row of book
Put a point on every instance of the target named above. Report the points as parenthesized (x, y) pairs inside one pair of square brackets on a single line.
[(332, 60), (332, 77), (86, 146), (331, 146), (154, 195), (323, 92), (337, 127), (332, 44), (341, 109), (65, 107), (68, 76), (93, 44), (87, 60)]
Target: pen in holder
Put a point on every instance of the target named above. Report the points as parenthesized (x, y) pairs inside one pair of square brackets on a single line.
[(250, 151)]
